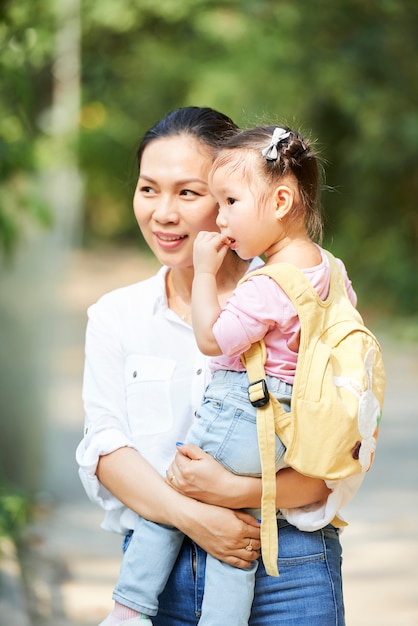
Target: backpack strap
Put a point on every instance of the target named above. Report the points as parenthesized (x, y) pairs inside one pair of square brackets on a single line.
[(298, 288), (269, 413), (269, 410), (253, 360)]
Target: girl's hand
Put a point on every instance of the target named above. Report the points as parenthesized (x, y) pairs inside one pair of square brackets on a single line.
[(209, 252)]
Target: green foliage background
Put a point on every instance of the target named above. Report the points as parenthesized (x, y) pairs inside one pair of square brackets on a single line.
[(344, 71), (15, 511)]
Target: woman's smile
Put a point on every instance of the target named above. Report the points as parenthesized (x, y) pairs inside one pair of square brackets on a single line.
[(169, 241)]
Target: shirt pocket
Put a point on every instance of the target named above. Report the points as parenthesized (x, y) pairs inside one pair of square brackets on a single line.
[(148, 383)]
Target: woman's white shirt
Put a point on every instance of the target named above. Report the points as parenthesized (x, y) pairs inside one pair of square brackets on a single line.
[(144, 378)]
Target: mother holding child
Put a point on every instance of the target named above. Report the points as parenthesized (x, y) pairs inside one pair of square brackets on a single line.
[(247, 193)]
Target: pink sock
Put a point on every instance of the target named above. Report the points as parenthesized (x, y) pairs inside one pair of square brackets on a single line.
[(122, 613)]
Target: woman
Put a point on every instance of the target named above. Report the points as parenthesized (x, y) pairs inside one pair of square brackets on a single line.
[(144, 377)]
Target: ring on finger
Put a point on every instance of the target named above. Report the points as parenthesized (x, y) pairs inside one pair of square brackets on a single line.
[(249, 548), (172, 479)]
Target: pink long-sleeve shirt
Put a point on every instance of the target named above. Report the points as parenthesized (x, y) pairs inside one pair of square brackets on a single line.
[(260, 309)]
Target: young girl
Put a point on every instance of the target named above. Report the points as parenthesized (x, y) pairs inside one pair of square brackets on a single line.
[(266, 182)]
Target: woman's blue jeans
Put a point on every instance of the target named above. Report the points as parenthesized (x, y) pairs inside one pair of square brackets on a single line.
[(308, 591)]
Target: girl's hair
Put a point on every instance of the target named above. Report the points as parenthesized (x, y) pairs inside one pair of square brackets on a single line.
[(287, 153), (205, 124)]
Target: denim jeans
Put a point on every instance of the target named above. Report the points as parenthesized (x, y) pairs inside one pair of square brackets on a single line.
[(225, 428), (308, 591)]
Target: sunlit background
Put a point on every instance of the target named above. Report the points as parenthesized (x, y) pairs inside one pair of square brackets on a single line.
[(80, 82)]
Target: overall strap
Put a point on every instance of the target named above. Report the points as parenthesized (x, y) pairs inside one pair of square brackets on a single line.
[(254, 359)]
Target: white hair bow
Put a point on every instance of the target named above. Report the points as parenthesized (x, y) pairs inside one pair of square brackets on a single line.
[(271, 153)]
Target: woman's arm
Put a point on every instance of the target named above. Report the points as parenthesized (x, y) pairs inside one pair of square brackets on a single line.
[(199, 476), (221, 532), (110, 466)]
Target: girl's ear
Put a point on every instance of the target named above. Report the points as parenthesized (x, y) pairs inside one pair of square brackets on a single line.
[(284, 197)]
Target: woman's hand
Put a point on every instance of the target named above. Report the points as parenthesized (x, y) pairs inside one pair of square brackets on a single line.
[(230, 536), (196, 474)]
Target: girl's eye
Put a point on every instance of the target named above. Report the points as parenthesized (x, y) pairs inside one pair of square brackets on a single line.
[(230, 201)]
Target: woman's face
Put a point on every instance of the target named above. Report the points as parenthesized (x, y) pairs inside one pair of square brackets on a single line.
[(172, 202)]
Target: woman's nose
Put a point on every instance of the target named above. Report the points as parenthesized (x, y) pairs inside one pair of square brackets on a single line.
[(165, 210)]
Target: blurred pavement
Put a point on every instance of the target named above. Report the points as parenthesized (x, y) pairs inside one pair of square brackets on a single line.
[(72, 565)]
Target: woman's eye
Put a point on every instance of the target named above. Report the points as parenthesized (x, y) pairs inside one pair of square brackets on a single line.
[(188, 193), (146, 189)]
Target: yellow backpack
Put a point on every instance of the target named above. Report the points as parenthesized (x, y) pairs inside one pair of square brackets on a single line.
[(338, 392)]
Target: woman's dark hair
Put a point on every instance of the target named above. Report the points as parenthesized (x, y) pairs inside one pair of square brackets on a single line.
[(203, 123)]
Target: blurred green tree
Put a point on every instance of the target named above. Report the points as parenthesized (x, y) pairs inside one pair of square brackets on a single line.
[(40, 186), (26, 45), (343, 71)]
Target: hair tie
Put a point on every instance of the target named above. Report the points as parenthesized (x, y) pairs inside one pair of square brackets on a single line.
[(271, 152)]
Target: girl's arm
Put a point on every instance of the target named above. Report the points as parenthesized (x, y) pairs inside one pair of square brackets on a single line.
[(199, 476), (208, 254), (221, 532)]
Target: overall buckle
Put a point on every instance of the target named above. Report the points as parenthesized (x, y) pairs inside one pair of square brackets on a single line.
[(258, 393)]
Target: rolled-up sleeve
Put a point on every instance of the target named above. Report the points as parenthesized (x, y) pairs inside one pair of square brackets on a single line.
[(106, 426), (91, 448)]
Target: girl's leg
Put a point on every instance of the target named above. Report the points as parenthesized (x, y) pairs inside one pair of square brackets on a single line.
[(229, 594), (308, 591), (146, 565)]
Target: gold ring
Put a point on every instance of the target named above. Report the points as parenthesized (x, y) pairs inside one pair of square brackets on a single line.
[(172, 479), (249, 548)]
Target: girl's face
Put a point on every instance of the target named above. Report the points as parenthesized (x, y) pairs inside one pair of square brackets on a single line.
[(172, 202), (250, 224)]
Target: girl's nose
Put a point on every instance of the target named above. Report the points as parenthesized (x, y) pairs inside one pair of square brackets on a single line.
[(220, 220)]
